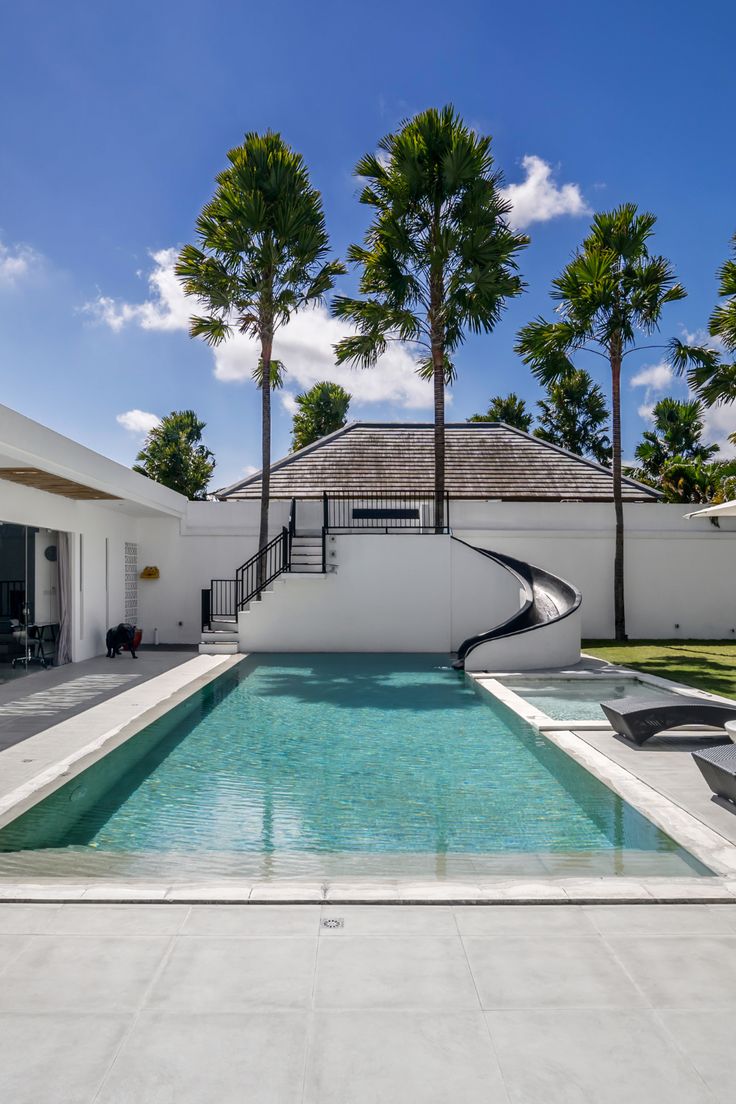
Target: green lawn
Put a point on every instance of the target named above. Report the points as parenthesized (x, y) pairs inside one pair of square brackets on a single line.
[(706, 664)]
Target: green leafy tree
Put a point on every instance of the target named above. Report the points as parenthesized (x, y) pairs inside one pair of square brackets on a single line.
[(260, 258), (698, 481), (322, 410), (574, 415), (676, 434), (174, 455), (509, 409), (439, 258), (612, 291), (711, 375)]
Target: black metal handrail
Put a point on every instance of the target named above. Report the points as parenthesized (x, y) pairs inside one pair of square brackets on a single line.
[(383, 511), (261, 569)]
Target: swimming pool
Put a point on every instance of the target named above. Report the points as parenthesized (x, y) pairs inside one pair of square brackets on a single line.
[(360, 765), (579, 699)]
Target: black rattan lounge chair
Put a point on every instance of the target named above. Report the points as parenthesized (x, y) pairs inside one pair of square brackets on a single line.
[(718, 768), (638, 718)]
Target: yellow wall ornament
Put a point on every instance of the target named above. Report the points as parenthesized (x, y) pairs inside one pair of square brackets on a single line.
[(150, 573)]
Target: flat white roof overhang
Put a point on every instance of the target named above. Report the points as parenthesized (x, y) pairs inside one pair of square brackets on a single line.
[(38, 457)]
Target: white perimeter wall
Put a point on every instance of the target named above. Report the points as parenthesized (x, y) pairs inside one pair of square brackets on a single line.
[(678, 572), (395, 593)]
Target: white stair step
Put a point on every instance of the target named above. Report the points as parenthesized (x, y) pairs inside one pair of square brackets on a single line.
[(219, 636), (224, 648)]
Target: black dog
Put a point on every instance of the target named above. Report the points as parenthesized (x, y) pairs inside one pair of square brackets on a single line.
[(122, 636)]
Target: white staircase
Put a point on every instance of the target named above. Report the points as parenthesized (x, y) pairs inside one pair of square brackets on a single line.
[(299, 557), (220, 639)]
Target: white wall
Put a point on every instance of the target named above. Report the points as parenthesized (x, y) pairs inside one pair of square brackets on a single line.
[(678, 572), (97, 593), (401, 592)]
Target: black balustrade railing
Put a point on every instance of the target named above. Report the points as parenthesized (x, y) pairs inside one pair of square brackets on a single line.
[(384, 511), (261, 570)]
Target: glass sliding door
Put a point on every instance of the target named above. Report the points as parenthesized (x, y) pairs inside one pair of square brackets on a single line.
[(15, 645), (29, 599)]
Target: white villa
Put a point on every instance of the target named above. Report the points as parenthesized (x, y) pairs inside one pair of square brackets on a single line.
[(355, 563)]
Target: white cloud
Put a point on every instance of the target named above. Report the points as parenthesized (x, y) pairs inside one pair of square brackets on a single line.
[(17, 262), (288, 401), (718, 423), (305, 345), (702, 337), (137, 421), (168, 308), (538, 198), (646, 411), (250, 469), (655, 377)]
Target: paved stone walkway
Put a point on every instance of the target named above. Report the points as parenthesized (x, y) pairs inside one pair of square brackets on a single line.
[(170, 1004), (30, 704)]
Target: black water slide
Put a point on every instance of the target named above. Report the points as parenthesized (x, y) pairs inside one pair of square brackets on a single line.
[(547, 599)]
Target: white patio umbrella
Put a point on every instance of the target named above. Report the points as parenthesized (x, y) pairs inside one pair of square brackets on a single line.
[(726, 509)]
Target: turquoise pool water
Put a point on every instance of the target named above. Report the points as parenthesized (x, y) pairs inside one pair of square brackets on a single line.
[(579, 699), (359, 764)]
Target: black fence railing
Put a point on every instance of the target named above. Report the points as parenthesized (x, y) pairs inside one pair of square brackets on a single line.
[(384, 511)]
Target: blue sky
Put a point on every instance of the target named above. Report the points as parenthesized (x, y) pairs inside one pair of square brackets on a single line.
[(116, 119)]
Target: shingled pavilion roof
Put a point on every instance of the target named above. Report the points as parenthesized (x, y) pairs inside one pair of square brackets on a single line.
[(483, 460)]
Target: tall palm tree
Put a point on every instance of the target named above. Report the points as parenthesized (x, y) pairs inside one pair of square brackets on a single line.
[(710, 375), (439, 257), (509, 409), (260, 258), (612, 290)]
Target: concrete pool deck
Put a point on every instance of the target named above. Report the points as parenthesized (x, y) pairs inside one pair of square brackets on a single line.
[(496, 1005)]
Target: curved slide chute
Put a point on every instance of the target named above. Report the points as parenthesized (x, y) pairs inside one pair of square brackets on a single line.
[(544, 632)]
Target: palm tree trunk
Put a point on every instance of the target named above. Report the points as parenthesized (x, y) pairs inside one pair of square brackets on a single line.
[(266, 351), (619, 602), (438, 378)]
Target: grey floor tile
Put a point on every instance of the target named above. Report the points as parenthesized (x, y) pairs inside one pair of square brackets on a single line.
[(11, 945), (559, 973), (56, 1059), (708, 1042), (659, 919), (235, 975), (402, 1058), (391, 920), (726, 914), (26, 919), (81, 973), (424, 972), (522, 920), (119, 920), (681, 971), (256, 920), (591, 1057), (210, 1059)]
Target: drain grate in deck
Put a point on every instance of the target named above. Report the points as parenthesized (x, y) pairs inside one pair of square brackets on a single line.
[(332, 922)]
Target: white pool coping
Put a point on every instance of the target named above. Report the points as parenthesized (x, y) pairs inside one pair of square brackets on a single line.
[(34, 768), (712, 849)]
